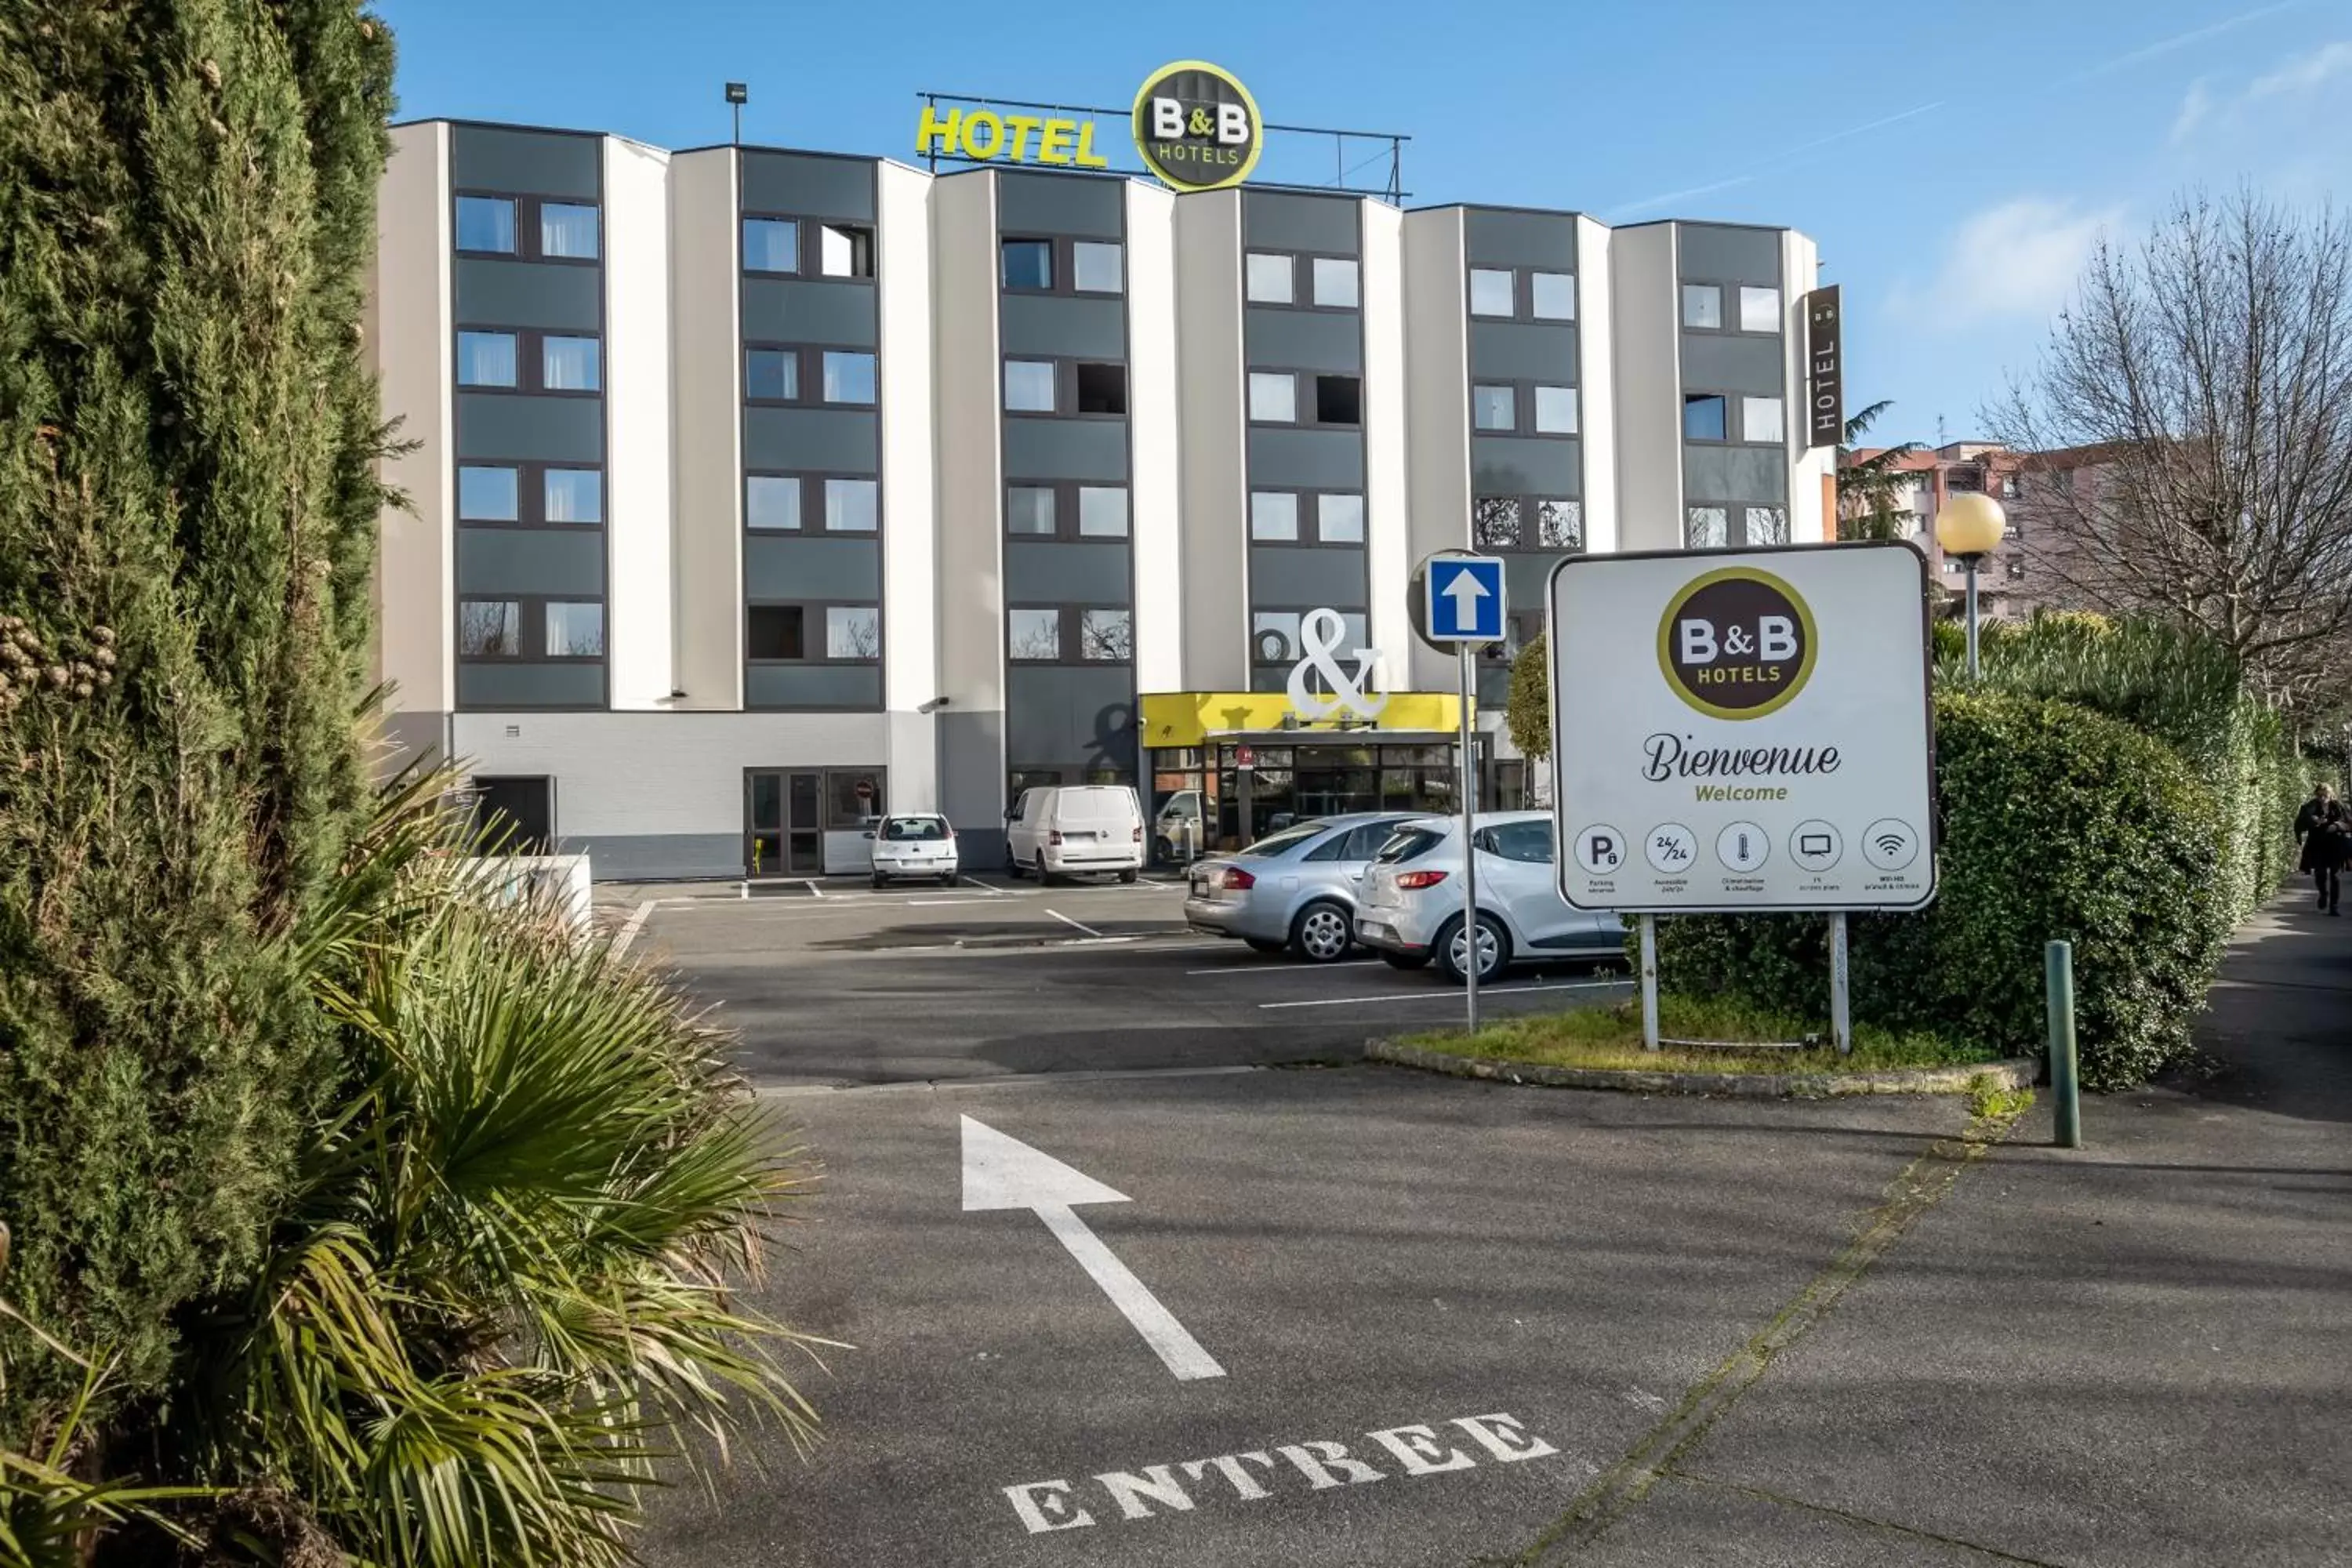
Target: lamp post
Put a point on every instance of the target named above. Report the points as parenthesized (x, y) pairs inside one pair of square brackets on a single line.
[(1969, 526), (738, 95)]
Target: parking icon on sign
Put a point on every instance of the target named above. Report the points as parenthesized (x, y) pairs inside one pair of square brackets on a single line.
[(1600, 849)]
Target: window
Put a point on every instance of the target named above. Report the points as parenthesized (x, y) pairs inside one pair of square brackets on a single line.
[(486, 223), (1029, 386), (1964, 479), (1335, 282), (1524, 841), (1767, 525), (1097, 268), (2008, 486), (1339, 400), (1560, 524), (1702, 416), (570, 364), (1759, 419), (1340, 518), (1274, 516), (853, 632), (844, 252), (488, 495), (486, 359), (771, 502), (1029, 508), (1102, 511), (1704, 528), (1494, 408), (1102, 389), (776, 631), (567, 231), (576, 630), (849, 377), (1555, 411), (489, 628), (1702, 306), (1028, 263), (1552, 296), (772, 245), (771, 375), (1492, 292), (1274, 396), (1269, 277), (1033, 634), (573, 495), (852, 506), (1107, 636), (1759, 309), (1494, 522)]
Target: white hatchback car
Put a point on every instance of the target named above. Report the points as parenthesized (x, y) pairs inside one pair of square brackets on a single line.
[(914, 843), (1410, 909)]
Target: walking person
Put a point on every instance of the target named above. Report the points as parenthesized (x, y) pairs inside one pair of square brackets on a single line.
[(2325, 826)]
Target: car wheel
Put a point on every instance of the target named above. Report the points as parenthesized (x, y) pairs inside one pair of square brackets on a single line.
[(880, 881), (1453, 952), (1405, 960), (1045, 879), (946, 878), (1264, 944), (1130, 874), (1320, 933), (1012, 866)]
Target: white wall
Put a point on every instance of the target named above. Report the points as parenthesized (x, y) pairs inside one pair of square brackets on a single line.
[(1809, 520), (1437, 364), (1214, 412), (1648, 360), (1388, 500), (638, 621), (410, 343), (910, 544), (1156, 476), (971, 487), (707, 584), (1596, 373)]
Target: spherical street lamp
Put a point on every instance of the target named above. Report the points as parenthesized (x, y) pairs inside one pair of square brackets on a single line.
[(1969, 526)]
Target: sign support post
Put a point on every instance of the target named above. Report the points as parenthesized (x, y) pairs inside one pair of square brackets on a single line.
[(1841, 998), (1469, 804), (1457, 604), (1649, 982)]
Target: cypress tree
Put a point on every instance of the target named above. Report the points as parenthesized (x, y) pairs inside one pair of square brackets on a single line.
[(188, 437)]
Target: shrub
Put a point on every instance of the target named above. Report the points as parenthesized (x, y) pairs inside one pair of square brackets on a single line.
[(2054, 823)]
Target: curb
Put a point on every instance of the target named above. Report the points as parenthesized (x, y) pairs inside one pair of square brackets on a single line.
[(2018, 1072)]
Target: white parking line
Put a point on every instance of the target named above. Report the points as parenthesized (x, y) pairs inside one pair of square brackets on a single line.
[(1068, 921), (1448, 996), (1250, 971), (628, 932), (814, 890), (991, 892)]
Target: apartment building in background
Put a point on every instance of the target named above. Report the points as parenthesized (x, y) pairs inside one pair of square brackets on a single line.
[(757, 490)]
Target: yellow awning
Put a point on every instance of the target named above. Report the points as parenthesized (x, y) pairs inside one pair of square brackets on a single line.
[(1190, 718)]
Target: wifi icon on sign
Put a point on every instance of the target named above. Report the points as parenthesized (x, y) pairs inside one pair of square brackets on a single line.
[(1891, 845)]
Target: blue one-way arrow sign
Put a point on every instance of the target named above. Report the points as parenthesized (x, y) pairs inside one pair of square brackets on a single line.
[(1465, 599)]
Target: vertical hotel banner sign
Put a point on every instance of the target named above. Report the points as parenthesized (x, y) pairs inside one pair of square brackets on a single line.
[(1825, 369)]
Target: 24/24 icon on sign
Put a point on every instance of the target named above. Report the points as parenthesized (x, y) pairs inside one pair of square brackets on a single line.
[(1671, 848)]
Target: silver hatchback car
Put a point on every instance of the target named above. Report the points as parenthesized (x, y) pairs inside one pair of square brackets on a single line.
[(1294, 890)]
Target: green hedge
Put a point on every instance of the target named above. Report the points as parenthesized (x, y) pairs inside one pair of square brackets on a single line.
[(2055, 823)]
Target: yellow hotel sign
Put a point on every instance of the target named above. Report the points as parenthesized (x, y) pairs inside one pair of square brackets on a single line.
[(1190, 718), (986, 136)]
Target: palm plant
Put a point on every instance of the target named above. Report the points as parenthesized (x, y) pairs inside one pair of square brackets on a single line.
[(1871, 484)]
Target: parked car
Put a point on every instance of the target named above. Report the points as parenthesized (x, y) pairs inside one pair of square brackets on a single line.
[(1176, 831), (1294, 890), (914, 843), (1411, 910), (1059, 828)]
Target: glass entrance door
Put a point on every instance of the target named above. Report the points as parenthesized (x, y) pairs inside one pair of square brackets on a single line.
[(784, 823)]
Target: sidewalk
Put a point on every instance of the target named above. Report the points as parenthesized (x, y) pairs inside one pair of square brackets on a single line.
[(2135, 1354)]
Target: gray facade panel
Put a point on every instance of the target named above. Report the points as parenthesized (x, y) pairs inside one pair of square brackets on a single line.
[(1546, 240), (1517, 466), (811, 686), (1070, 715), (531, 561), (1074, 572), (1721, 253), (528, 428), (494, 293), (639, 858), (971, 780), (838, 312), (809, 186), (1275, 220), (536, 163), (820, 440), (1735, 474), (530, 685), (1524, 578), (1523, 351), (1714, 362), (1088, 205), (778, 566), (1060, 324), (1306, 575), (416, 736), (1065, 449), (1306, 460), (1304, 340)]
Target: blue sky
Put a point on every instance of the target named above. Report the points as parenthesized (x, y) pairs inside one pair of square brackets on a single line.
[(1956, 161)]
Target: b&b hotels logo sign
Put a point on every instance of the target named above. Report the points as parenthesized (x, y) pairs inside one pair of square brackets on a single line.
[(1737, 644), (1195, 125)]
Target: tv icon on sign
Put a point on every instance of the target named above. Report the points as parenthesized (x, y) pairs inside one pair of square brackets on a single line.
[(1600, 851), (1815, 846)]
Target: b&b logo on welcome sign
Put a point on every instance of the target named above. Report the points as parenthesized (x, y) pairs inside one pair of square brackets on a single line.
[(1737, 644)]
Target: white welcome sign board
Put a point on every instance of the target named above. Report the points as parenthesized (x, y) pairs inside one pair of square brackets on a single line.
[(1743, 730)]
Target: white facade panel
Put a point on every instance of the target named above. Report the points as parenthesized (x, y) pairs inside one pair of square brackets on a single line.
[(706, 585), (409, 299), (1647, 359), (1597, 376), (1388, 498), (1436, 312), (910, 544), (1216, 506), (970, 489), (1155, 485), (638, 647), (1811, 512)]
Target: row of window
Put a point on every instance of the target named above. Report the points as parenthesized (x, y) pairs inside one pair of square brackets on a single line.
[(840, 375), (529, 493), (773, 245), (1707, 416), (1527, 523), (564, 361), (1067, 510), (1065, 386), (1274, 635), (1307, 516), (1069, 634), (1759, 308), (1273, 398), (1522, 293), (1063, 266), (529, 227), (1709, 527), (1272, 278), (813, 633), (531, 628), (1523, 409), (778, 503)]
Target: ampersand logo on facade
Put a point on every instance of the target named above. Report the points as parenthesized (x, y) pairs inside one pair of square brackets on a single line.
[(1736, 643), (1197, 127)]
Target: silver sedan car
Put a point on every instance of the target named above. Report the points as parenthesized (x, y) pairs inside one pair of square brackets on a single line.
[(1294, 890)]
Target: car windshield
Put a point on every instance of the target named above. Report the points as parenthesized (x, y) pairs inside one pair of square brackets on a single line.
[(1410, 842), (1289, 838), (914, 829)]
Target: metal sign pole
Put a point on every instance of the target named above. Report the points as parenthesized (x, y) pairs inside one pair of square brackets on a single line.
[(1649, 982), (1469, 850), (1841, 999)]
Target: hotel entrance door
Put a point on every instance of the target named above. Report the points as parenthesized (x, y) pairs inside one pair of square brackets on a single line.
[(784, 823)]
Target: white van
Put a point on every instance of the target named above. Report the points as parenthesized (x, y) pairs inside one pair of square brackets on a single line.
[(1075, 827)]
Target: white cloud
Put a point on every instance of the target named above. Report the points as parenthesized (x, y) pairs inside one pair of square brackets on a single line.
[(2205, 113), (2194, 110), (2020, 259), (2302, 76)]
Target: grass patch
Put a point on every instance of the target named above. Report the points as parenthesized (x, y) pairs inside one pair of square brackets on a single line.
[(1609, 1039)]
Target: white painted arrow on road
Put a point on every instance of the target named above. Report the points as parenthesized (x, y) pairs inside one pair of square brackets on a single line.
[(1002, 1173)]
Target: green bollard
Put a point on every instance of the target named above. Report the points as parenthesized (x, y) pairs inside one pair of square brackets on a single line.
[(2066, 1092)]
